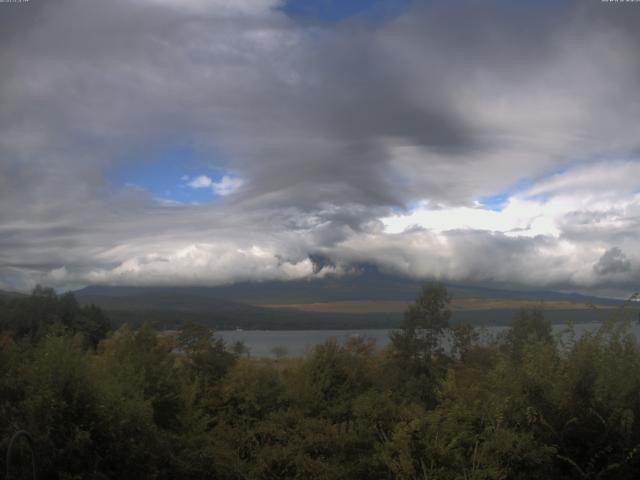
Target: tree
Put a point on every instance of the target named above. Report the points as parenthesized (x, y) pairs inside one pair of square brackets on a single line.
[(425, 322), (415, 354), (528, 327), (205, 358), (464, 336), (43, 312)]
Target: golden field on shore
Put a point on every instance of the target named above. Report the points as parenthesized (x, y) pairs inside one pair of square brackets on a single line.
[(395, 306)]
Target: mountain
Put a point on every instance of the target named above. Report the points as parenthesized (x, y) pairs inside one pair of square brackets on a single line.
[(369, 284), (5, 295), (369, 299), (169, 307)]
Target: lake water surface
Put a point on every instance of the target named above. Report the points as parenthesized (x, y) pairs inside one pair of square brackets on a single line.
[(297, 342)]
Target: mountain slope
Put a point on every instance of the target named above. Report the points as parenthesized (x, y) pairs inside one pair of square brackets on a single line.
[(5, 295), (367, 300), (369, 284), (170, 307)]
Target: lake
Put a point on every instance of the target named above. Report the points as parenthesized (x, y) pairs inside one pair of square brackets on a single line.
[(297, 342)]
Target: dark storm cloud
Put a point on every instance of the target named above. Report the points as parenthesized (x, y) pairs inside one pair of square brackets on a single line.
[(612, 261), (330, 126)]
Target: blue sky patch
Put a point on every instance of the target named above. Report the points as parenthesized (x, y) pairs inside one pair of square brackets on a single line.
[(495, 202), (498, 201), (336, 10), (166, 178)]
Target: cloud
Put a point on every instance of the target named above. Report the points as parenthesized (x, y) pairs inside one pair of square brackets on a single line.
[(201, 181), (612, 261), (360, 141), (218, 6), (225, 186), (199, 264)]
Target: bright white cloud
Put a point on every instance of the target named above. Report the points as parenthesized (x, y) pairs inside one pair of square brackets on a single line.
[(201, 181), (198, 264), (336, 140), (226, 185), (542, 209), (223, 187)]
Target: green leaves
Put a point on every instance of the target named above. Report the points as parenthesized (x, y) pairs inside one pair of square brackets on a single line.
[(166, 405), (44, 312)]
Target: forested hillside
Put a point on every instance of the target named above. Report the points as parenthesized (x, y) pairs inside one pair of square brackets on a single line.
[(137, 404)]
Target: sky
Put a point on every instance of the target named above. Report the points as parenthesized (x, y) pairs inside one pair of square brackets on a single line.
[(207, 142)]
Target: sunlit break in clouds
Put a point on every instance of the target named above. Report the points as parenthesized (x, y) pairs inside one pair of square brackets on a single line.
[(206, 142)]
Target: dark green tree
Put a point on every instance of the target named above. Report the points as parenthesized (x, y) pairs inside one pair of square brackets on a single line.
[(425, 322), (529, 326), (416, 352)]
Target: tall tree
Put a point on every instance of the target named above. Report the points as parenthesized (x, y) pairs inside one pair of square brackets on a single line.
[(415, 348), (425, 322)]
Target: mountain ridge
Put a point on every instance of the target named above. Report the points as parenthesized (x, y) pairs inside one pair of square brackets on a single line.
[(369, 286), (317, 303)]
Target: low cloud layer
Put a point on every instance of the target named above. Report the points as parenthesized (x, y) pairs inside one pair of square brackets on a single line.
[(470, 141)]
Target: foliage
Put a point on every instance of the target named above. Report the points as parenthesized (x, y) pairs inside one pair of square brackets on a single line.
[(35, 316), (146, 404), (415, 358)]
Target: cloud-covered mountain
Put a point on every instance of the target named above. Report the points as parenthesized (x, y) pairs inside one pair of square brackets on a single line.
[(368, 299), (207, 142)]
